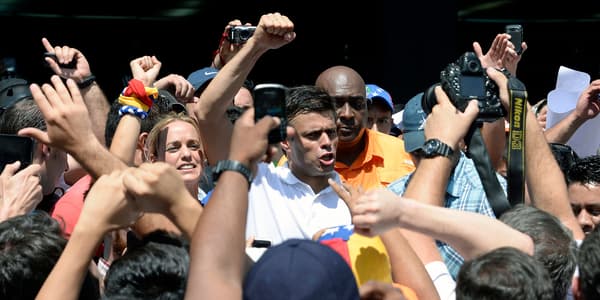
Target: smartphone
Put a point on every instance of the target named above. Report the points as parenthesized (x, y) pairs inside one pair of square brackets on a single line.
[(269, 99), (13, 148), (516, 36), (71, 65), (261, 244)]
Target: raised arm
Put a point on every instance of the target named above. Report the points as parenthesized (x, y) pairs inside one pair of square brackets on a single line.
[(545, 181), (106, 208), (273, 31), (225, 215), (588, 107)]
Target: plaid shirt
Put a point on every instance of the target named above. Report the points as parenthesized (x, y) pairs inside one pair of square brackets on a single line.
[(464, 192)]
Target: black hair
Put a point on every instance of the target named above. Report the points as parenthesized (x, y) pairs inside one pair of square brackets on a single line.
[(585, 171), (589, 265), (155, 269), (306, 99), (503, 273), (565, 156), (22, 114), (553, 243), (30, 246)]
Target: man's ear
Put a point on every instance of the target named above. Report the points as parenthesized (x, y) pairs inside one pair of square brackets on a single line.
[(41, 153), (285, 145)]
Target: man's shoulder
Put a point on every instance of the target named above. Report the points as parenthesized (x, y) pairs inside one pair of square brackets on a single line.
[(386, 139)]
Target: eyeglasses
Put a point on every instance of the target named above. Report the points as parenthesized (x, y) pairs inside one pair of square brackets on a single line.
[(356, 102)]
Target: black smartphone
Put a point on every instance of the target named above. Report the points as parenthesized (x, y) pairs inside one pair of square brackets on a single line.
[(516, 36), (269, 99), (71, 65), (261, 244), (13, 148)]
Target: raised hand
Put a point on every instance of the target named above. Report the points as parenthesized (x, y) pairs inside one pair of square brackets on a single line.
[(20, 192), (65, 55), (67, 120), (145, 69), (588, 104), (182, 89), (274, 30)]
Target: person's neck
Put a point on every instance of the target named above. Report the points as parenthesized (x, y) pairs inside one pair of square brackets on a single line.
[(316, 183), (347, 152)]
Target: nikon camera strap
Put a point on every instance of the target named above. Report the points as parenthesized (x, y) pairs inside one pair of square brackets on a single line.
[(516, 141)]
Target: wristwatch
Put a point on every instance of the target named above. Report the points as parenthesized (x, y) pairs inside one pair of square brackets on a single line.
[(232, 165), (434, 147)]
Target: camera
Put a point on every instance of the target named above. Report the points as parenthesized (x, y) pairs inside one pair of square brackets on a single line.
[(240, 34), (466, 80)]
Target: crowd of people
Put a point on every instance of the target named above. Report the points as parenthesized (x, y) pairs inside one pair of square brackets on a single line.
[(173, 190)]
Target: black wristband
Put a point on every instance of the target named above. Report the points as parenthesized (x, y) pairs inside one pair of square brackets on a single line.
[(232, 165), (86, 82)]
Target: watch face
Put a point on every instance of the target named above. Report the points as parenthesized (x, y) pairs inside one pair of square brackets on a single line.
[(431, 147)]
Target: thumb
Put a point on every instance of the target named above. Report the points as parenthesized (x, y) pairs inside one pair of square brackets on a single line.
[(341, 192), (10, 169), (267, 123), (35, 133)]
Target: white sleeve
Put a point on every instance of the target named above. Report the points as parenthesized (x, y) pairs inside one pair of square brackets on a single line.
[(442, 280)]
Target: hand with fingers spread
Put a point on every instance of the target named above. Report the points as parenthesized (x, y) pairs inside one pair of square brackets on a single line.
[(501, 54), (107, 206), (67, 120), (20, 191), (145, 69), (66, 55)]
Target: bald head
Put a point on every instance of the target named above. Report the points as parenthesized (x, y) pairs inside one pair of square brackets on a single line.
[(340, 81), (347, 87)]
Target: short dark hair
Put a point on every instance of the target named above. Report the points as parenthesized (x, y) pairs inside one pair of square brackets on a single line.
[(585, 170), (553, 243), (22, 114), (306, 99), (30, 246), (504, 273), (589, 265), (156, 269)]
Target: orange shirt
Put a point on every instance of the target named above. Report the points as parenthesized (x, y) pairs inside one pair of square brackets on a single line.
[(382, 161)]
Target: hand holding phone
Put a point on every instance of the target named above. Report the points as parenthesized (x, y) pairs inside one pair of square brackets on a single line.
[(516, 36), (269, 99), (71, 65)]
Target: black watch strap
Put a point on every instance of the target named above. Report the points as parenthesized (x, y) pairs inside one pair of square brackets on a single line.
[(86, 82), (232, 165), (434, 147)]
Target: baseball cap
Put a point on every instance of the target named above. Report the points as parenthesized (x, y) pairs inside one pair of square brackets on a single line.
[(300, 269), (171, 102), (13, 90), (413, 122), (374, 92), (200, 78)]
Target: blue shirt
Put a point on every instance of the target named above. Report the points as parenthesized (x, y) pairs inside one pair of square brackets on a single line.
[(464, 192)]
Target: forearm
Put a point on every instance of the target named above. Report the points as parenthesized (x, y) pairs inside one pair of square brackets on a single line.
[(495, 139), (545, 181), (186, 215), (125, 139), (67, 276), (223, 258), (98, 107), (471, 234), (96, 159), (407, 269), (563, 130)]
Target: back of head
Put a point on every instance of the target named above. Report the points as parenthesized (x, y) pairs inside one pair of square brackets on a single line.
[(30, 246), (504, 273), (300, 269), (306, 99), (22, 114), (157, 269), (589, 265), (553, 243)]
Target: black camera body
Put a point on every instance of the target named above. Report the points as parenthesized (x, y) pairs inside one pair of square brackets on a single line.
[(466, 80), (240, 34)]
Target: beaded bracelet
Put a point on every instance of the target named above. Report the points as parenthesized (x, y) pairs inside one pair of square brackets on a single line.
[(132, 110)]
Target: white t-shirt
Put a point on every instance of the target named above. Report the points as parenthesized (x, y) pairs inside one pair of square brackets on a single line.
[(280, 206)]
